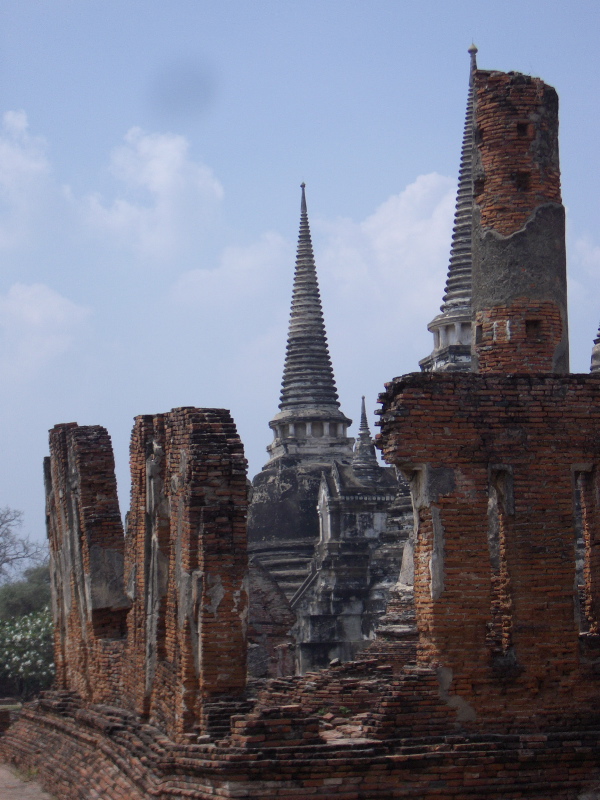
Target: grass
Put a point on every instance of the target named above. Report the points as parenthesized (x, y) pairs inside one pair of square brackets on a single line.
[(26, 774)]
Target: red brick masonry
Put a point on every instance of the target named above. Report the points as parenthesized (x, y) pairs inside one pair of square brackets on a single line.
[(96, 751), (497, 463), (154, 621), (504, 700), (516, 137)]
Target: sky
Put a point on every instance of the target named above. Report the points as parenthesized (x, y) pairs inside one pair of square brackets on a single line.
[(151, 156)]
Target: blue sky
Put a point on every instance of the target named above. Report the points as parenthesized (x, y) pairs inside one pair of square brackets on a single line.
[(150, 161)]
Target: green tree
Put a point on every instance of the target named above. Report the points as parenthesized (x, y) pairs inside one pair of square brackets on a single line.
[(16, 550), (26, 631), (25, 596)]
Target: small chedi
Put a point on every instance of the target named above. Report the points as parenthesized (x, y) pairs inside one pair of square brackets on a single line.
[(364, 525), (495, 693), (326, 523)]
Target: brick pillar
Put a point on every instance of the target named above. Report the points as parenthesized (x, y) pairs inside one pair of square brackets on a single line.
[(146, 585), (519, 265), (86, 561), (186, 566), (208, 602)]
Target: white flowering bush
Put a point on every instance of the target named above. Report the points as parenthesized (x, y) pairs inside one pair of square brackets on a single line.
[(26, 654)]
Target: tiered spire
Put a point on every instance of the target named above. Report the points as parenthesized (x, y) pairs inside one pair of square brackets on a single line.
[(309, 424), (307, 374), (364, 459), (458, 283), (452, 328)]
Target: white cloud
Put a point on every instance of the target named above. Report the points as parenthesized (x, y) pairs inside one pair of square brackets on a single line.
[(165, 197), (237, 312), (404, 243), (383, 278), (24, 173), (244, 273), (37, 324), (587, 255)]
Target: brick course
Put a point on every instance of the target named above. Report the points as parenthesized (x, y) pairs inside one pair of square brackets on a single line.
[(516, 135), (108, 753)]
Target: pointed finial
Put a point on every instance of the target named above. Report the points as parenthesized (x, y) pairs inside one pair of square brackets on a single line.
[(303, 203), (364, 425), (473, 53), (456, 305)]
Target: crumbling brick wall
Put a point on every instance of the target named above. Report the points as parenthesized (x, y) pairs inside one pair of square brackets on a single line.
[(493, 460), (86, 562), (187, 565), (155, 621)]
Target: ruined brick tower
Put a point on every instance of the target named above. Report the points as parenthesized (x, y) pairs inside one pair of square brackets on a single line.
[(310, 431), (519, 263)]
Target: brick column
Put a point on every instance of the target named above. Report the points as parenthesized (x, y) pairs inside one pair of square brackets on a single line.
[(208, 602), (86, 561), (186, 566), (519, 265)]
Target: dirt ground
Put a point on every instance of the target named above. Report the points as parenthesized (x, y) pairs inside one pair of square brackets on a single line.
[(14, 788)]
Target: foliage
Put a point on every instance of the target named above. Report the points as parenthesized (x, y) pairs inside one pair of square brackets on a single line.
[(30, 593), (26, 654), (16, 550)]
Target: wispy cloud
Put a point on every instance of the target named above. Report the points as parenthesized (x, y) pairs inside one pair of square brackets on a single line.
[(24, 174), (163, 196), (37, 324), (244, 273), (383, 277)]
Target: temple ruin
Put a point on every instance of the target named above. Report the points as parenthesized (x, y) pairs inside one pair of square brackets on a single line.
[(487, 683)]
